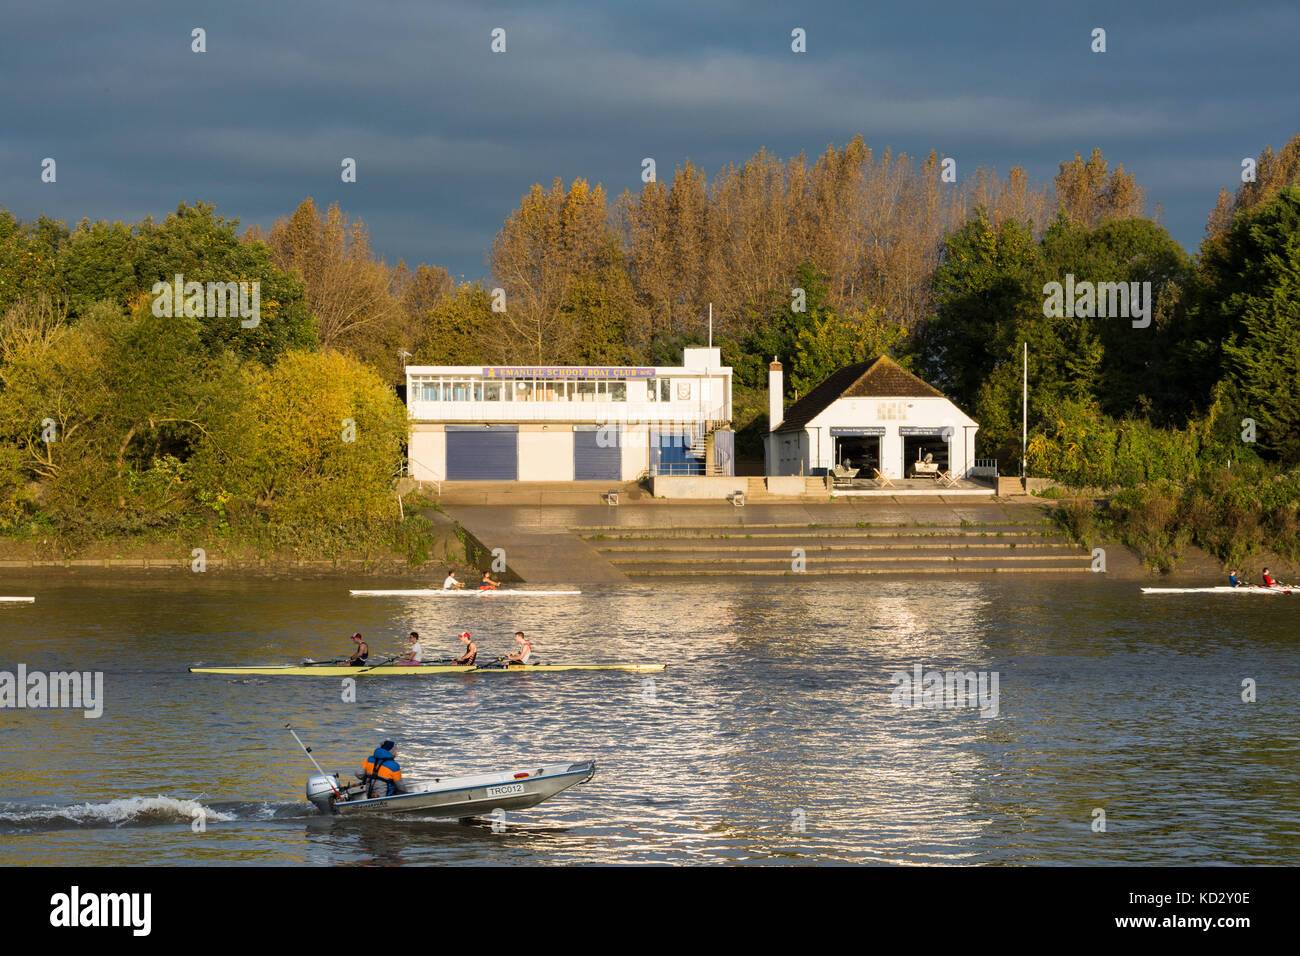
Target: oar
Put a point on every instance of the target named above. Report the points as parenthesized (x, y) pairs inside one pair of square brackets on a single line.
[(307, 751), (310, 663), (371, 667)]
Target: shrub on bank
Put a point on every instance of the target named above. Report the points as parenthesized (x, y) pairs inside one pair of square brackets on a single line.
[(1232, 513)]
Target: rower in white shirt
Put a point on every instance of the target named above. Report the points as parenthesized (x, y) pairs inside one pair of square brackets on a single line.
[(414, 653), (451, 583)]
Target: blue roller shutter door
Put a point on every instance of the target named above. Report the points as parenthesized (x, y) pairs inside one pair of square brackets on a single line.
[(591, 461), (671, 452), (479, 453)]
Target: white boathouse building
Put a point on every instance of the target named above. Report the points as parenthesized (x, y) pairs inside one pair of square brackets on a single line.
[(868, 417), (570, 423)]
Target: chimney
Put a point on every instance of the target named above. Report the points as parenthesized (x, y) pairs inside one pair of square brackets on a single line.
[(775, 395)]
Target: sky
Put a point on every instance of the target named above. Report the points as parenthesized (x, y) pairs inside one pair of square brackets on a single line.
[(448, 136)]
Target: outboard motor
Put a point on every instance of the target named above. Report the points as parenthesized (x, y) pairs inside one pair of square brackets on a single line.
[(321, 791)]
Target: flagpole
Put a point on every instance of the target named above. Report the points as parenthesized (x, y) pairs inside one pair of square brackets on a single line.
[(1024, 424)]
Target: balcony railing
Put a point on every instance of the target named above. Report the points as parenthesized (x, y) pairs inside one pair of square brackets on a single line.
[(577, 412)]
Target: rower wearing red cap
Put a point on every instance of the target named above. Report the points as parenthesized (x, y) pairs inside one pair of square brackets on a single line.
[(358, 657), (471, 650)]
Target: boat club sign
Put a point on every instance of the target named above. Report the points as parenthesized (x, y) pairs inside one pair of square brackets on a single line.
[(565, 372)]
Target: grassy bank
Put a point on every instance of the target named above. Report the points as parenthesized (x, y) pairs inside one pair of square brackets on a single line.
[(1234, 515), (423, 541)]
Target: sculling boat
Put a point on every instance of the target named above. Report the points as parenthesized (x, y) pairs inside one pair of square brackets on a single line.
[(479, 592), (413, 670), (454, 797), (17, 600), (1244, 589)]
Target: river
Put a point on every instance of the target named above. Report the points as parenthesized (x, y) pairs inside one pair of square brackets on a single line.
[(773, 737)]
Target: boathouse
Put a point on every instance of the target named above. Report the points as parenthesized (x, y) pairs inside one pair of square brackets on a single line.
[(868, 418), (570, 423)]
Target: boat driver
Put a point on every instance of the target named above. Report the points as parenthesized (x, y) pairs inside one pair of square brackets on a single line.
[(382, 767)]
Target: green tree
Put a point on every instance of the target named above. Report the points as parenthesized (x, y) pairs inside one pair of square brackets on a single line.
[(1254, 303), (833, 341), (203, 247), (311, 445), (458, 330)]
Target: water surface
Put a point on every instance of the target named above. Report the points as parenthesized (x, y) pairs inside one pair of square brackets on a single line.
[(771, 739)]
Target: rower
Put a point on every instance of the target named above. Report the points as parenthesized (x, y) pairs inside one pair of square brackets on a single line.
[(1233, 580), (488, 584), (415, 653), (471, 650), (1268, 580), (382, 767), (358, 658), (525, 650), (450, 584)]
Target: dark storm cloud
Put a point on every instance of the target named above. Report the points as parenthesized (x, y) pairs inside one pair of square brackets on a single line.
[(448, 136)]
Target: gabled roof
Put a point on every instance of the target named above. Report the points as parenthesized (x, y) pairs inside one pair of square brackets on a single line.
[(883, 378)]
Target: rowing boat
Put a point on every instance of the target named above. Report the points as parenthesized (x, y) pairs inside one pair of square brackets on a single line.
[(482, 592), (17, 600), (1244, 589), (455, 797), (413, 670)]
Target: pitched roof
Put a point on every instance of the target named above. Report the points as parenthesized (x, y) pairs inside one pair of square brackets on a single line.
[(883, 378)]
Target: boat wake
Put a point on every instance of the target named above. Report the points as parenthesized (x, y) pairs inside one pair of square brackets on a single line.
[(131, 812)]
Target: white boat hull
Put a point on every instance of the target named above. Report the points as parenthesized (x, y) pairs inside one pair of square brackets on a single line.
[(1244, 589), (439, 592), (457, 797)]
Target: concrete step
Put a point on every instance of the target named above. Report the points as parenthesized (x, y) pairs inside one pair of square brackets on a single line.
[(827, 571), (705, 552), (822, 526), (841, 560), (795, 532)]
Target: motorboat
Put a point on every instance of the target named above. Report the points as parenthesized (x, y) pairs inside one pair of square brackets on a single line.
[(453, 797)]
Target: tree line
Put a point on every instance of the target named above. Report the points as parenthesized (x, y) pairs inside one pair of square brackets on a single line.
[(821, 263)]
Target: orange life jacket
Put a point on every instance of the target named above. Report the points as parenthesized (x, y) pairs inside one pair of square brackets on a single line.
[(382, 765)]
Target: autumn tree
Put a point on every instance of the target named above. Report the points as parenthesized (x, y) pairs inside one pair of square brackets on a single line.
[(354, 296), (555, 237), (1091, 193)]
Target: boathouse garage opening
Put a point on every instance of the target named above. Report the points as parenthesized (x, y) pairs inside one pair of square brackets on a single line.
[(917, 446), (858, 448)]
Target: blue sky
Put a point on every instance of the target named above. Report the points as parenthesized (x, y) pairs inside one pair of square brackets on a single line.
[(448, 136)]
